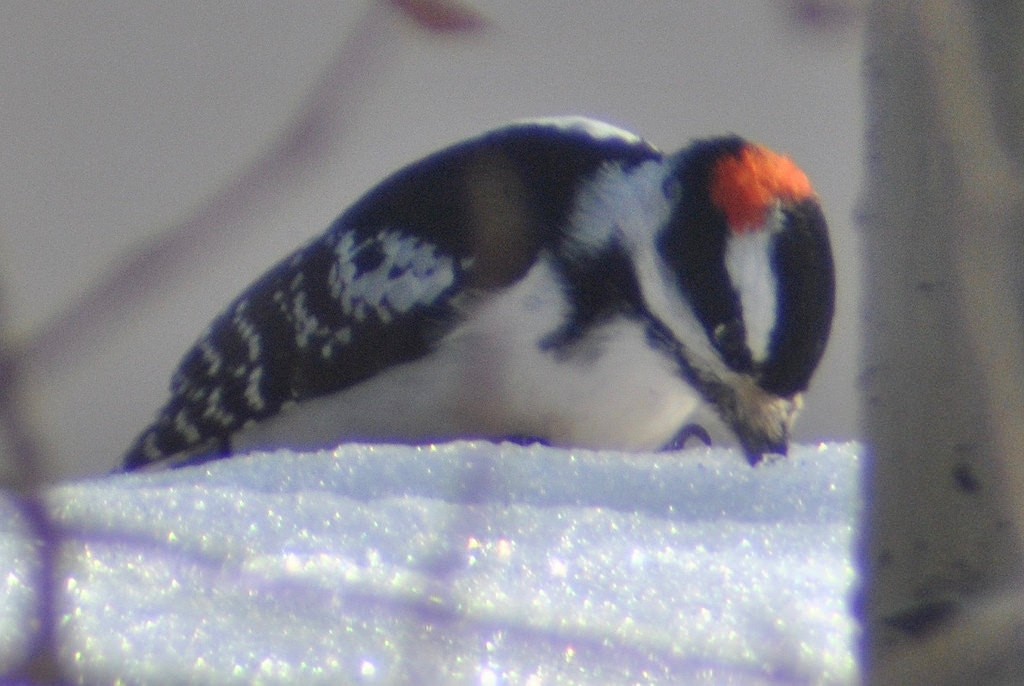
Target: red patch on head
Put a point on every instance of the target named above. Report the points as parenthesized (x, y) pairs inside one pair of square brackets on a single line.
[(747, 185)]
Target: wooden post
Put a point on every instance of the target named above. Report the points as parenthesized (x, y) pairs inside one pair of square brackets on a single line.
[(943, 368)]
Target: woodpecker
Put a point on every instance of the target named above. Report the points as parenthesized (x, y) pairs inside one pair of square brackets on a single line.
[(559, 279)]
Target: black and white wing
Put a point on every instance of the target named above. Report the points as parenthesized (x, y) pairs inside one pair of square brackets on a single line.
[(384, 284)]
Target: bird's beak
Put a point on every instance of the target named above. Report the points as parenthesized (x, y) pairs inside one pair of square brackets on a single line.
[(756, 450), (762, 422)]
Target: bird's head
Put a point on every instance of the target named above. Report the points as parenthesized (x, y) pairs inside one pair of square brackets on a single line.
[(746, 255)]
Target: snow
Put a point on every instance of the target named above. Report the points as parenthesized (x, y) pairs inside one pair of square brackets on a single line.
[(461, 563)]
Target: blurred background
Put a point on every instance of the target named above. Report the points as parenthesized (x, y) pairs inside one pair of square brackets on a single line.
[(158, 157)]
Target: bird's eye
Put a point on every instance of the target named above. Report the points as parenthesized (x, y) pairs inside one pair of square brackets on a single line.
[(730, 338)]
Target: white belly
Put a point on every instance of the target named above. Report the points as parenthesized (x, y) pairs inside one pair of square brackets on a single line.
[(490, 379)]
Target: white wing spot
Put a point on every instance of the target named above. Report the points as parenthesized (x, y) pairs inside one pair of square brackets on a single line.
[(211, 356), (411, 272), (306, 324), (247, 331), (253, 395), (185, 428), (215, 410)]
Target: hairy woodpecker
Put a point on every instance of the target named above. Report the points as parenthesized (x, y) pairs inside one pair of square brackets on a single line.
[(559, 279)]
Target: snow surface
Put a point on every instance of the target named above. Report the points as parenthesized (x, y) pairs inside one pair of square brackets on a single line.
[(462, 563)]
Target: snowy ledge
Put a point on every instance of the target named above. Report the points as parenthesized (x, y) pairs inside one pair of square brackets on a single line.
[(463, 563)]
